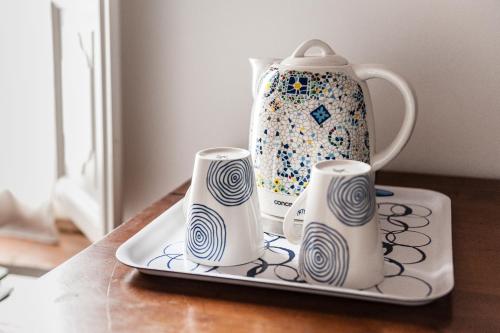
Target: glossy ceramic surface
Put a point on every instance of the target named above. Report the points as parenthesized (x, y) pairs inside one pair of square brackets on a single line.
[(313, 108), (223, 225), (340, 245), (415, 233)]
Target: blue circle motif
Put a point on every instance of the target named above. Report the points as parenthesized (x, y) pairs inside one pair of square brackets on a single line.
[(206, 233), (230, 182), (340, 138), (324, 255), (352, 200)]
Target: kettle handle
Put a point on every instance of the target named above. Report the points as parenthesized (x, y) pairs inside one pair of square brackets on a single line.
[(302, 49), (366, 72)]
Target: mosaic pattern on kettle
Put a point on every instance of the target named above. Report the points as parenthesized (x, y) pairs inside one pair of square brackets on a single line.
[(304, 118)]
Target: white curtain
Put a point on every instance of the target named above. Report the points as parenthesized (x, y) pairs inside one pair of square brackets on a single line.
[(21, 221), (27, 127)]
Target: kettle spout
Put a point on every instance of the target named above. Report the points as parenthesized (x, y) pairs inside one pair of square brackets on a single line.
[(259, 66)]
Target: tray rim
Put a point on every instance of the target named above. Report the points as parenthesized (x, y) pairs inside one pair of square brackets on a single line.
[(291, 286)]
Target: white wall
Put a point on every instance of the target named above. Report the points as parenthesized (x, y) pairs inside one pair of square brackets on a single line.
[(186, 80), (27, 146)]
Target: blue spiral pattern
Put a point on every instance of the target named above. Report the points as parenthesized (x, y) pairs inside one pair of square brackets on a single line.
[(230, 182), (206, 233), (340, 138), (352, 200), (324, 255)]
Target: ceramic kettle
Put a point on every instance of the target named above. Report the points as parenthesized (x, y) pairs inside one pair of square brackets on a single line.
[(312, 108)]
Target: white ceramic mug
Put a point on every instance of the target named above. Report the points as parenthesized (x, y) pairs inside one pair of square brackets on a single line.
[(340, 243), (222, 209)]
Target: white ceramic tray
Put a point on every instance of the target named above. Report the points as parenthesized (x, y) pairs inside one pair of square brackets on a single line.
[(416, 235)]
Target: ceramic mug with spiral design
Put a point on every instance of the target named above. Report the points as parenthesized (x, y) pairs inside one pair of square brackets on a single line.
[(340, 244), (222, 210)]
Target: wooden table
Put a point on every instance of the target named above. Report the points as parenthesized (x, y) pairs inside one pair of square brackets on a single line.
[(92, 292)]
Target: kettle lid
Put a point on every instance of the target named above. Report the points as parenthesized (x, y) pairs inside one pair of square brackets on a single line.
[(327, 57)]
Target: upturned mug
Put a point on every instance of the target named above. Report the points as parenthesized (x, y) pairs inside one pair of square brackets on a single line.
[(223, 226), (340, 243)]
